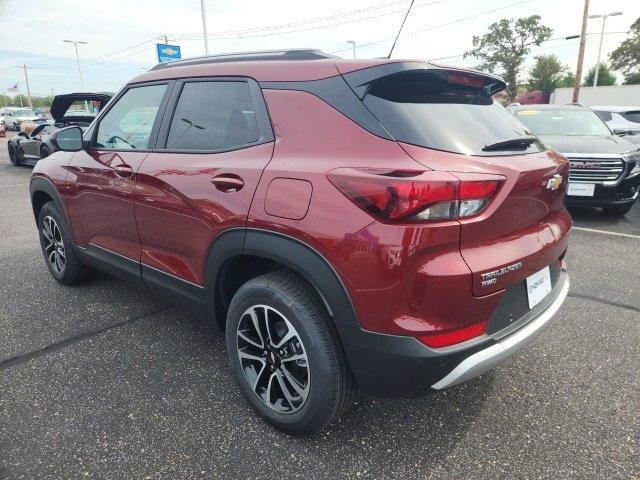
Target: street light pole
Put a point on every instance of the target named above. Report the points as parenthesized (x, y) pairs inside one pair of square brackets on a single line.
[(204, 28), (583, 37), (353, 45), (604, 20), (75, 44), (26, 80)]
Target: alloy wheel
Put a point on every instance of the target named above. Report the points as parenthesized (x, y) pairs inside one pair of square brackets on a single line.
[(273, 358), (53, 244)]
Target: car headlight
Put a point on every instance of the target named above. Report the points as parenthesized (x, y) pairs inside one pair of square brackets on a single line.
[(633, 158)]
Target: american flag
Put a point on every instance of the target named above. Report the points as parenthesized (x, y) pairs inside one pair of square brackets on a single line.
[(13, 89)]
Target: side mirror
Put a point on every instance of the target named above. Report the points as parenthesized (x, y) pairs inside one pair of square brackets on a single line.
[(625, 131), (68, 139)]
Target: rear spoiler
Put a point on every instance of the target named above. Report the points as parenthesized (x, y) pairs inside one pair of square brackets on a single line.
[(360, 79)]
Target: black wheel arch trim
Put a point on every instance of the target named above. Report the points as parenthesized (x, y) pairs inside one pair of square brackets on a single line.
[(42, 184), (288, 251)]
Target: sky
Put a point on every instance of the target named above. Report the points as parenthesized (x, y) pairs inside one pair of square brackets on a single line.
[(121, 34)]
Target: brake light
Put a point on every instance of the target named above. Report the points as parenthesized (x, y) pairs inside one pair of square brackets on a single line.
[(466, 79), (444, 339), (413, 196)]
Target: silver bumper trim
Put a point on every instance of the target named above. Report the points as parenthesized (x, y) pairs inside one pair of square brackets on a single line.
[(486, 359)]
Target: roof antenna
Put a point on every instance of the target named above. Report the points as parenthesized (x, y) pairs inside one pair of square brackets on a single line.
[(398, 34)]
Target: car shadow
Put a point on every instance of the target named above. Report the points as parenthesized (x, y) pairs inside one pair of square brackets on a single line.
[(422, 430)]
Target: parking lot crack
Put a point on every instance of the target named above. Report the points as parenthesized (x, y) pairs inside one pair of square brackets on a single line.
[(605, 302), (56, 346)]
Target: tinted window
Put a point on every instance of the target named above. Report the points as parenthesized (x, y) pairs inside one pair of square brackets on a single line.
[(129, 122), (213, 116), (424, 108), (564, 122), (632, 116)]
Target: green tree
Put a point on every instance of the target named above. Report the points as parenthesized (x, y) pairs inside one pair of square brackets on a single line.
[(632, 79), (506, 44), (605, 76), (626, 57), (546, 73), (567, 80)]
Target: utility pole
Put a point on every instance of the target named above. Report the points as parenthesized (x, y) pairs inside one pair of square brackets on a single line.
[(353, 45), (204, 28), (75, 44), (26, 80), (583, 41), (604, 20)]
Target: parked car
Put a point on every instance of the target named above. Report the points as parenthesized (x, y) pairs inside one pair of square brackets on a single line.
[(604, 169), (33, 142), (3, 112), (537, 96), (3, 131), (13, 118), (403, 234), (623, 121)]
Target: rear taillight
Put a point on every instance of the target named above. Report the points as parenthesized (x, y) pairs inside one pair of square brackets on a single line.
[(451, 337), (413, 196)]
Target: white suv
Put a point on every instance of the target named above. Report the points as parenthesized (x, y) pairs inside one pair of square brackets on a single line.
[(14, 117)]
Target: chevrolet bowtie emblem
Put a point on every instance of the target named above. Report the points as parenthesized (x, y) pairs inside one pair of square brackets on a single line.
[(554, 182)]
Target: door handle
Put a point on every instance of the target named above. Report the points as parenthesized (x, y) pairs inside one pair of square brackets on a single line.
[(123, 170), (227, 182)]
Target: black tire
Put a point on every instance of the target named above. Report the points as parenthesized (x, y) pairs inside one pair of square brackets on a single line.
[(44, 151), (73, 271), (617, 210), (330, 382), (13, 155)]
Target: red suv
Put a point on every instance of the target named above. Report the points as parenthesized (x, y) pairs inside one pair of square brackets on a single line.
[(379, 224)]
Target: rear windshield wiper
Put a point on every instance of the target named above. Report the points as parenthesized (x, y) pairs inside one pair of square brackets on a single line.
[(511, 144)]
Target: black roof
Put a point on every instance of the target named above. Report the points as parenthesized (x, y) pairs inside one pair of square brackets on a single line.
[(293, 54)]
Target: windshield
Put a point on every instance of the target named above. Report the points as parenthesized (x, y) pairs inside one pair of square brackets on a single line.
[(24, 113), (430, 109), (564, 122)]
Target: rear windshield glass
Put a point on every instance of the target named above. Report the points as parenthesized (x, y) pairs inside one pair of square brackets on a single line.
[(564, 122), (423, 108)]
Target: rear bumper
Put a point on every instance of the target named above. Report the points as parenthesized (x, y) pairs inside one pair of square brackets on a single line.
[(486, 359), (401, 366)]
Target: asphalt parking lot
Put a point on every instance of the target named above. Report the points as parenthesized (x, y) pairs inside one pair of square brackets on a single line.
[(107, 381)]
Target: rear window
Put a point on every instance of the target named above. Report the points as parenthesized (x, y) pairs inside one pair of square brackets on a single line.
[(425, 108)]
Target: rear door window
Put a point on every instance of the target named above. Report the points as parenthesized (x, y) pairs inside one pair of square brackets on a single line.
[(213, 116), (442, 110)]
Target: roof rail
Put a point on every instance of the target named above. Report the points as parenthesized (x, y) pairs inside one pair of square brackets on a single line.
[(293, 54), (577, 104)]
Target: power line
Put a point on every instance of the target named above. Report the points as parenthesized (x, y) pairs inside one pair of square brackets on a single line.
[(195, 36), (299, 22), (438, 26)]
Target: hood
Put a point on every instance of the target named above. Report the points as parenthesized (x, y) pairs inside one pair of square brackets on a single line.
[(567, 144), (635, 139), (61, 103)]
